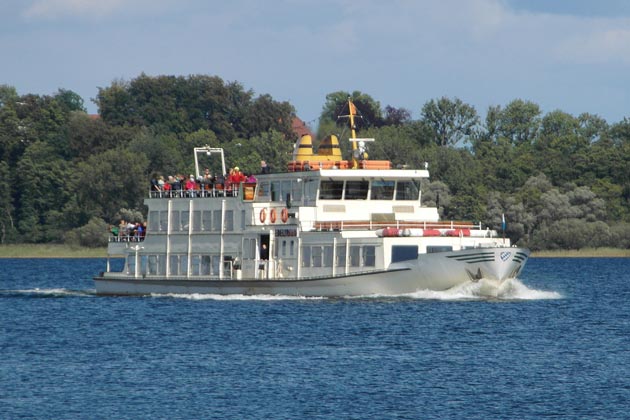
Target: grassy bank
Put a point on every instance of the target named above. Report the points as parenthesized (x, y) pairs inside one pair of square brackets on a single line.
[(583, 253), (65, 251), (50, 251)]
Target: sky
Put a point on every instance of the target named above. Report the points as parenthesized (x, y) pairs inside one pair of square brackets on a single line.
[(568, 55)]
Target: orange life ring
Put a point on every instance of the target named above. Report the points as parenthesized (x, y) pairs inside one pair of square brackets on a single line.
[(284, 215), (263, 215), (272, 216)]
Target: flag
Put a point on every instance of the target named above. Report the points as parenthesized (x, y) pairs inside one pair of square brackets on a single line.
[(503, 222), (353, 110)]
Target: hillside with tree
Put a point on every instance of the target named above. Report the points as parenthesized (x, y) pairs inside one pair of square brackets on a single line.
[(562, 182)]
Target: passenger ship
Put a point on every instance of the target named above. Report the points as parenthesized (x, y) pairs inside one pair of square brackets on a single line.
[(325, 227)]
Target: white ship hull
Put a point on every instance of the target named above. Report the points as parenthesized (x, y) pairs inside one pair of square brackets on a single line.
[(437, 271)]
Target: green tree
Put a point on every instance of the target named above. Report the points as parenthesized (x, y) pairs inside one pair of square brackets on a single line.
[(451, 120)]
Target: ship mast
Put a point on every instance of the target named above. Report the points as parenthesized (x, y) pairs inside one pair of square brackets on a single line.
[(352, 112)]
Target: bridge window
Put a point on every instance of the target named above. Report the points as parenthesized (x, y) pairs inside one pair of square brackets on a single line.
[(382, 190), (331, 190), (407, 190), (356, 190)]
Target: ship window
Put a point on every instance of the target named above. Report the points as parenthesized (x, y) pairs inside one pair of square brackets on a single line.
[(284, 248), (355, 256), (194, 265), (286, 189), (242, 219), (196, 221), (356, 190), (175, 227), (438, 248), (154, 221), (143, 264), (276, 192), (291, 248), (216, 220), (229, 220), (382, 190), (331, 190), (328, 256), (163, 221), (131, 264), (205, 265), (206, 220), (162, 264), (174, 265), (317, 256), (369, 256), (152, 264), (407, 190), (296, 192), (310, 191), (216, 262), (341, 255), (404, 252), (306, 256), (185, 220), (183, 265), (263, 190)]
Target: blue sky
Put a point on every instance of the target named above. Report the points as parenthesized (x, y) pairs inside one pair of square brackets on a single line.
[(572, 55)]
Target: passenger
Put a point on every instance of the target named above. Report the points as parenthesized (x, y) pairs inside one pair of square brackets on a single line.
[(264, 168), (114, 231), (122, 230), (191, 185), (161, 185), (131, 231), (307, 166), (251, 179), (155, 188), (139, 232), (167, 187)]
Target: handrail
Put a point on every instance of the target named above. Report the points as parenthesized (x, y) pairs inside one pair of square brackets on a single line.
[(398, 224), (125, 238)]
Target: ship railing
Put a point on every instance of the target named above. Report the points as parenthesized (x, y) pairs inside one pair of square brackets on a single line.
[(398, 224), (125, 238), (208, 190)]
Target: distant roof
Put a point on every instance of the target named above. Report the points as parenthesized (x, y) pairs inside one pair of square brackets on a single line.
[(300, 127), (94, 116)]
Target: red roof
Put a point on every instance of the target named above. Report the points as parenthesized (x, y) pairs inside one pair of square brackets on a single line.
[(300, 127)]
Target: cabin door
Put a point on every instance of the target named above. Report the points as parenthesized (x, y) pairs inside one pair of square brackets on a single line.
[(263, 257)]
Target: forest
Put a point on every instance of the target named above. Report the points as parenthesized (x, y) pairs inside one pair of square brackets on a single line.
[(561, 181)]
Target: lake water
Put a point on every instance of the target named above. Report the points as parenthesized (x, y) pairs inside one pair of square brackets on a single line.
[(555, 344)]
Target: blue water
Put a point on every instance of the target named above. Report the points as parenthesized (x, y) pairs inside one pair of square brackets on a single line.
[(555, 344)]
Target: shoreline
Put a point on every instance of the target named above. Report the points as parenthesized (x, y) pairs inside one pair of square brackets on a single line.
[(65, 251)]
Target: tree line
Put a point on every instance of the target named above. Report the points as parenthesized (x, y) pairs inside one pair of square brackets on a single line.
[(562, 182)]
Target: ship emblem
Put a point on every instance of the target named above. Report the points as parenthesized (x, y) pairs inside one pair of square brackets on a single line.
[(505, 255)]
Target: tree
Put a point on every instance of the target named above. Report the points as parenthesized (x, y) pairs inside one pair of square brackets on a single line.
[(336, 109), (451, 120)]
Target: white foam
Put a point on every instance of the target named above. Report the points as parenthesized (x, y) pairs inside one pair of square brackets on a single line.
[(203, 296), (510, 289), (49, 292)]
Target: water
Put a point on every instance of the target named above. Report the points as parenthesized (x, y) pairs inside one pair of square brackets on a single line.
[(554, 344)]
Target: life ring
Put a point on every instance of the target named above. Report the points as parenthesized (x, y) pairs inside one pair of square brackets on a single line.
[(272, 216), (284, 215), (263, 215)]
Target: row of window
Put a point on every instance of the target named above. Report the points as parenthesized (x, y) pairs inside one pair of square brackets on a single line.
[(339, 190), (202, 221), (374, 190), (322, 256), (200, 265)]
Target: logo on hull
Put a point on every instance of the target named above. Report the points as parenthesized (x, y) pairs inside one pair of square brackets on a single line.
[(505, 255)]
